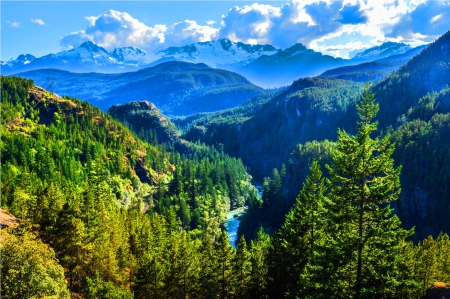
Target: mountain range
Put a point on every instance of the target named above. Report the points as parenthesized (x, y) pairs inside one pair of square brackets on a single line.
[(375, 70), (177, 88), (257, 62), (299, 124)]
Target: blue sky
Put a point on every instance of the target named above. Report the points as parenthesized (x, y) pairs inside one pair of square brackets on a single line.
[(338, 28)]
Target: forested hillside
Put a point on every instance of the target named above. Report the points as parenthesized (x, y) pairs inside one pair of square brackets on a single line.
[(104, 214), (310, 109), (299, 124), (145, 119), (107, 203)]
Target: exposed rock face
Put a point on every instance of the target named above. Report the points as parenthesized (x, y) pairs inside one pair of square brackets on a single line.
[(439, 290), (7, 220)]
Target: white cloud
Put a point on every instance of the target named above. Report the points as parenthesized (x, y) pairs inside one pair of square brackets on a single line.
[(435, 18), (75, 39), (332, 27), (14, 24), (327, 25), (301, 21), (188, 32), (38, 21), (114, 29)]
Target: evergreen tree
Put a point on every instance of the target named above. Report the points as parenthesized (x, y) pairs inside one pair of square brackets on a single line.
[(294, 248), (224, 254), (241, 269), (366, 236)]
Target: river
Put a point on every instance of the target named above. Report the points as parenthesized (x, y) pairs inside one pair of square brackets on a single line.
[(232, 221)]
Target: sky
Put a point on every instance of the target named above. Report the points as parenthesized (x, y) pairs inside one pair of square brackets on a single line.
[(337, 28)]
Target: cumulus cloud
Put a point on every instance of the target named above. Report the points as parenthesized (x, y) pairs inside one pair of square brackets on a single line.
[(425, 23), (75, 39), (332, 27), (38, 21), (298, 21), (188, 32), (114, 29), (14, 24), (321, 25)]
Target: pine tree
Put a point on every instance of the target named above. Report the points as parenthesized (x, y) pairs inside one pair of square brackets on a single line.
[(241, 269), (363, 181), (224, 254), (294, 248)]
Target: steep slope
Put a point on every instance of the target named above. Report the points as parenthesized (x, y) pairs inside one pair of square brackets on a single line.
[(284, 67), (89, 188), (429, 71), (177, 88), (145, 117), (309, 109)]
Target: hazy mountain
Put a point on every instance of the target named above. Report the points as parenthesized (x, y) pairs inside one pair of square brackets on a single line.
[(14, 64), (284, 67), (375, 70), (88, 57), (382, 51), (263, 65), (177, 88)]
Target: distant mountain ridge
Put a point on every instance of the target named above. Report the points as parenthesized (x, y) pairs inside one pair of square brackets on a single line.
[(375, 70), (258, 63), (177, 88), (382, 51), (88, 57), (221, 53)]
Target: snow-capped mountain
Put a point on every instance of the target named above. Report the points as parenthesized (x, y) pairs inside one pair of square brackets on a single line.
[(382, 51), (22, 60), (264, 65), (221, 53), (88, 57), (128, 55)]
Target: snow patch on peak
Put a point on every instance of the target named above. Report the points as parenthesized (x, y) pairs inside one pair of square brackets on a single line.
[(218, 53), (384, 50), (128, 55)]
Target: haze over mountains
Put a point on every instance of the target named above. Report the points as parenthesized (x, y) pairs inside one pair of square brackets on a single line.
[(177, 88), (256, 62)]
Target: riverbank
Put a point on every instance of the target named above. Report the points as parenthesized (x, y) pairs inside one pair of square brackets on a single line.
[(232, 224)]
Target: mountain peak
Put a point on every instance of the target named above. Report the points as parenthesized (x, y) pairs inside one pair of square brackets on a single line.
[(296, 48), (384, 50), (25, 57), (130, 54), (90, 46)]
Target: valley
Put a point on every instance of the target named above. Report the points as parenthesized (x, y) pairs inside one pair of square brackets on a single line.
[(133, 174)]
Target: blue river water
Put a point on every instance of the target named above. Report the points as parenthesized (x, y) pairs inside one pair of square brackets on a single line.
[(232, 221)]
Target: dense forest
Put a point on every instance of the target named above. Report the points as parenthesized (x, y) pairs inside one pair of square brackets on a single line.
[(106, 213), (279, 137)]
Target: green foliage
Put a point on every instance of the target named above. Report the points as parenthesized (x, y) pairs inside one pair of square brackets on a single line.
[(29, 268), (115, 209), (362, 180), (98, 288), (265, 135), (293, 246)]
